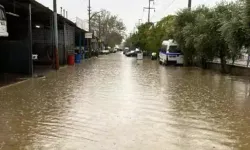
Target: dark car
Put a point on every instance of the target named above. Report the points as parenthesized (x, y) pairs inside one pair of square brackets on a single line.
[(133, 53), (126, 49), (130, 53)]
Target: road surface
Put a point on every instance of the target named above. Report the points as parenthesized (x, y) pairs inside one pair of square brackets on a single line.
[(118, 103)]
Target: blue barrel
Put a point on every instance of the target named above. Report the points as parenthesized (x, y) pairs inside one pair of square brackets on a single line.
[(77, 58)]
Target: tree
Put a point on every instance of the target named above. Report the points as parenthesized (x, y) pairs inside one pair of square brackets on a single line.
[(183, 18), (112, 28), (163, 30), (197, 36), (149, 36), (205, 33), (202, 33), (246, 21), (233, 30)]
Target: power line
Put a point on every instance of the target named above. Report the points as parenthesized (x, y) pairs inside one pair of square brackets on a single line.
[(189, 4), (149, 9), (142, 16), (170, 4), (157, 8)]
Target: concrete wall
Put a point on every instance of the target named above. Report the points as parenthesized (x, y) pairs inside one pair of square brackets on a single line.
[(231, 69)]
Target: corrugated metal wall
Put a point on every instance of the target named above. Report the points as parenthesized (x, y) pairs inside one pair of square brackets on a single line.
[(43, 44), (70, 37)]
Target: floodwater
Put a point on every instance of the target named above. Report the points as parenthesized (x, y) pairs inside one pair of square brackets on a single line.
[(118, 103)]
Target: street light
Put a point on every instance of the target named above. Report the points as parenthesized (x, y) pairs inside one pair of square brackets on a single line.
[(90, 17)]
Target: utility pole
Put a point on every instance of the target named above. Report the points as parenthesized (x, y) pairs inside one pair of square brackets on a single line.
[(99, 34), (30, 40), (149, 9), (89, 40), (89, 11), (55, 35), (189, 4)]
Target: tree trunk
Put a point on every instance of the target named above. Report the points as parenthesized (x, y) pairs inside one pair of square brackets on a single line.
[(187, 59), (223, 62), (233, 59), (204, 63), (248, 56)]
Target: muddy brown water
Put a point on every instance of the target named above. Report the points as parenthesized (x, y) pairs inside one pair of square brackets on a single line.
[(114, 102)]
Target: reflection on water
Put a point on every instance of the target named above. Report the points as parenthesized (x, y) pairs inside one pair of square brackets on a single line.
[(115, 102)]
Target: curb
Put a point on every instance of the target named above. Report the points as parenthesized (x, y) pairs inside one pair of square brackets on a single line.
[(14, 84), (27, 79)]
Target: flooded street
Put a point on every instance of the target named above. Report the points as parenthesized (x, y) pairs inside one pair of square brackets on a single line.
[(118, 103)]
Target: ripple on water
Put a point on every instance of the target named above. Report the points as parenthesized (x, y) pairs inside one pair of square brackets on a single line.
[(115, 102)]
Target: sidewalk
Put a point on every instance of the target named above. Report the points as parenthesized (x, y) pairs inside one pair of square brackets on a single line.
[(6, 78), (240, 62), (39, 71)]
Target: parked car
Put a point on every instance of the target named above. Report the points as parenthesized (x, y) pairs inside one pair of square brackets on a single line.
[(133, 53), (126, 49), (113, 50), (130, 53), (105, 51)]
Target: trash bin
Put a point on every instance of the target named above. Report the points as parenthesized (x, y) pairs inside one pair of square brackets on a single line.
[(139, 56), (77, 58), (71, 59), (153, 56)]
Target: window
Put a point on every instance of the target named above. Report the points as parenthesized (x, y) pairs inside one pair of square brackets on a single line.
[(163, 49), (2, 14), (173, 49)]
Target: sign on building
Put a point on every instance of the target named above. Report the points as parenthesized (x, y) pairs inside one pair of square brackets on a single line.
[(88, 35)]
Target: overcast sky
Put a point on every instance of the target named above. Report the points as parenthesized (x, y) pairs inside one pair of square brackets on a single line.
[(130, 11)]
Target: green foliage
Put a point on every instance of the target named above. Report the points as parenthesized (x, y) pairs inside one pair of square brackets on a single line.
[(149, 36), (182, 28), (203, 33)]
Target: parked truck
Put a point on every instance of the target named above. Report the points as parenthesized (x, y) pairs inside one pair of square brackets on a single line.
[(3, 23), (170, 54)]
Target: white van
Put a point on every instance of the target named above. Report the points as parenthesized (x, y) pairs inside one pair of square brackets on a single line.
[(3, 23), (170, 53)]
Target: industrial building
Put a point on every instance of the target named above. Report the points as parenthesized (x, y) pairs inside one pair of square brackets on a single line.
[(30, 28)]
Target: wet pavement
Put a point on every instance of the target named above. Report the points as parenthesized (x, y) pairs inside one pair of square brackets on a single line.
[(117, 103)]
